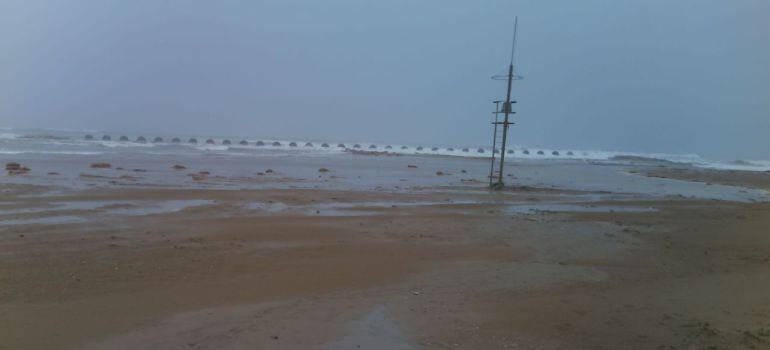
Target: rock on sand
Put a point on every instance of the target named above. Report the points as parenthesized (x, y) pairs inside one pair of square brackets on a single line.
[(14, 168)]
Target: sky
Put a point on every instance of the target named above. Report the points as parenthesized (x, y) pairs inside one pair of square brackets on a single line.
[(660, 76)]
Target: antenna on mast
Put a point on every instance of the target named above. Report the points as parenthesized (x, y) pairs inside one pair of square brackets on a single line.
[(515, 29), (496, 172)]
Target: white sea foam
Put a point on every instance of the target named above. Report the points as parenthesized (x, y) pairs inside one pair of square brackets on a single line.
[(212, 148), (114, 144)]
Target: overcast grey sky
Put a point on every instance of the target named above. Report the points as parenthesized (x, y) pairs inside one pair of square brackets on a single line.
[(648, 75)]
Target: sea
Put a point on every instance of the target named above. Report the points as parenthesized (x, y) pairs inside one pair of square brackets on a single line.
[(63, 161), (29, 142)]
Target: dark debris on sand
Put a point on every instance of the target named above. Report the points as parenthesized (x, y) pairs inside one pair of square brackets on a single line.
[(14, 168)]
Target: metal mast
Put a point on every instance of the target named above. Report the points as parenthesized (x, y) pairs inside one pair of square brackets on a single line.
[(494, 143), (507, 111)]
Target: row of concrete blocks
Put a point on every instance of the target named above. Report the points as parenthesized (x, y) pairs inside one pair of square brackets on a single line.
[(142, 139)]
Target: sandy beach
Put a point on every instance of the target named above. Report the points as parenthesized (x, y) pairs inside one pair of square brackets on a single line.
[(230, 261), (384, 175)]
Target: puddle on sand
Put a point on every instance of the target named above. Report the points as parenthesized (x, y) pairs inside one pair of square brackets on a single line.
[(316, 209), (270, 207), (341, 212), (376, 208), (574, 208), (46, 220), (340, 209), (113, 208), (118, 207), (376, 331), (150, 208), (31, 208)]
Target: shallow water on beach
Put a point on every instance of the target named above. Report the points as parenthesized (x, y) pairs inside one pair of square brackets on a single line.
[(142, 167), (343, 208), (376, 331), (45, 220), (59, 206), (151, 208), (574, 208), (92, 210)]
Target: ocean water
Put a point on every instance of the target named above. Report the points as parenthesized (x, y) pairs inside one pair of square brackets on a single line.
[(75, 143), (61, 162)]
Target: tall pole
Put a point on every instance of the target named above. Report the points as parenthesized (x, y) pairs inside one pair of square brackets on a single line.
[(507, 110), (494, 143), (507, 107)]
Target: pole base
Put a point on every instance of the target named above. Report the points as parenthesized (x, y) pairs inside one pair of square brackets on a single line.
[(497, 185)]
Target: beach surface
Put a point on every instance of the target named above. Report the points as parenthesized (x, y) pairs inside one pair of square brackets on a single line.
[(363, 251)]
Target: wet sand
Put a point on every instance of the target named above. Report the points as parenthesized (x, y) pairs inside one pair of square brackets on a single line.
[(439, 267)]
